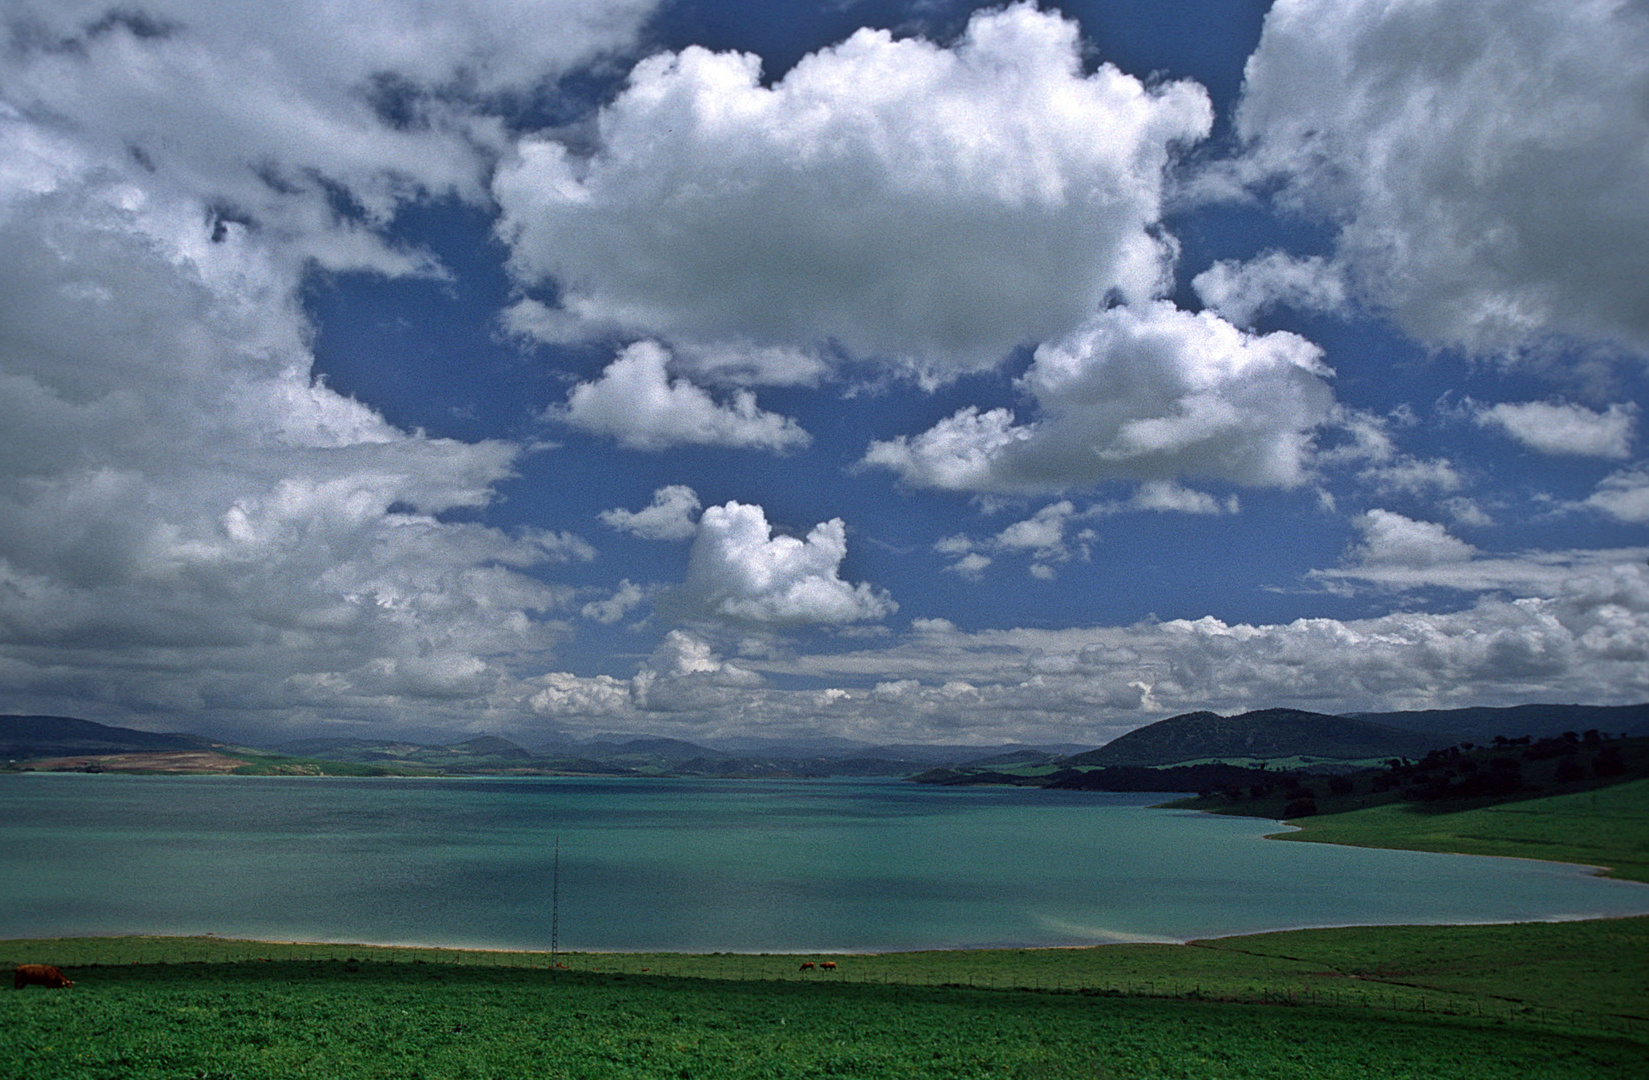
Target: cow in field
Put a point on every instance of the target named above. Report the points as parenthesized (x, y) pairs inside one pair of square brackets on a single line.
[(808, 966), (39, 975), (828, 965)]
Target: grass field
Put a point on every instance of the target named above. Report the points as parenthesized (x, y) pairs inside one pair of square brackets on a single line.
[(1605, 827), (1531, 1000)]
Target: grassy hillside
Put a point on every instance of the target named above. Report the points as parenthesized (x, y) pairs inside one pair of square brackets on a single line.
[(1604, 827), (1533, 1001)]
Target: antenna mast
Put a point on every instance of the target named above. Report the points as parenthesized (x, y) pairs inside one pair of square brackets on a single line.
[(555, 903)]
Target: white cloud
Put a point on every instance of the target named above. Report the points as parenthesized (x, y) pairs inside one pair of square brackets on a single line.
[(1041, 536), (1146, 393), (685, 675), (1578, 630), (971, 566), (190, 524), (593, 700), (267, 118), (739, 571), (637, 402), (1239, 291), (670, 516), (743, 363), (1467, 512), (1483, 162), (1623, 495), (625, 598), (1162, 496), (936, 206), (1413, 476), (1392, 540), (1043, 533), (1565, 428)]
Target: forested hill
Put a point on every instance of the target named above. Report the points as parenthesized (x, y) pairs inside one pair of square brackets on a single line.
[(1265, 733)]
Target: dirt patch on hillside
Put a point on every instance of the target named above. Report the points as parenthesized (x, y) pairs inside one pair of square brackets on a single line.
[(158, 761)]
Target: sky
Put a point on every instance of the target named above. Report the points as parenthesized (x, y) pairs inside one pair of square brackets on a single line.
[(916, 371)]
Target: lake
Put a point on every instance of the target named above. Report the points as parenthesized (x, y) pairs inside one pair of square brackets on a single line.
[(705, 865)]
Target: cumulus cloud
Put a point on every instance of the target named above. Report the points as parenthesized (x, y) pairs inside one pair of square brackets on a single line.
[(1565, 427), (1041, 536), (1043, 533), (670, 516), (739, 571), (1146, 393), (1578, 629), (624, 599), (637, 402), (190, 523), (732, 361), (1390, 539), (1240, 291), (971, 565), (269, 120), (684, 674), (937, 206), (1544, 626), (1162, 496), (179, 488), (1482, 162), (1623, 495), (1409, 475)]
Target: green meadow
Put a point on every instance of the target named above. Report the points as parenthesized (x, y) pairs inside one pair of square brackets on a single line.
[(1607, 827), (1546, 1000)]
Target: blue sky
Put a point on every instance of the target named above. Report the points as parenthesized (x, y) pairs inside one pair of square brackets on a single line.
[(887, 371)]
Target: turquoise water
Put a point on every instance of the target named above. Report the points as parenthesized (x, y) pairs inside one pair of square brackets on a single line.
[(702, 865)]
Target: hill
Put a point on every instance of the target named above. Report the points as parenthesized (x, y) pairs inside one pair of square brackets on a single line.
[(1265, 733), (23, 737), (1448, 780), (1538, 721), (484, 755), (67, 744)]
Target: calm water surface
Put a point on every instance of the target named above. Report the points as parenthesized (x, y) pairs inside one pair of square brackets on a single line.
[(701, 865)]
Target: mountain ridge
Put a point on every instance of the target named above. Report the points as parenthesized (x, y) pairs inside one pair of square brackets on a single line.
[(1199, 736), (1261, 733)]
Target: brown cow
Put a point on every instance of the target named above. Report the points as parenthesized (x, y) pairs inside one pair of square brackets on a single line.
[(39, 975), (808, 966), (829, 965)]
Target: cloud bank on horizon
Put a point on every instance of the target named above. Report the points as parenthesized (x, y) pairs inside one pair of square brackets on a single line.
[(983, 373)]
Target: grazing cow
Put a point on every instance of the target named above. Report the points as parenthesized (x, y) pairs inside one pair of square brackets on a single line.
[(829, 965), (808, 966), (39, 975)]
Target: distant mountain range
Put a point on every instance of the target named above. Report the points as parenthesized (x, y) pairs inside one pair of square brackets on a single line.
[(1204, 749), (650, 756), (1290, 736)]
